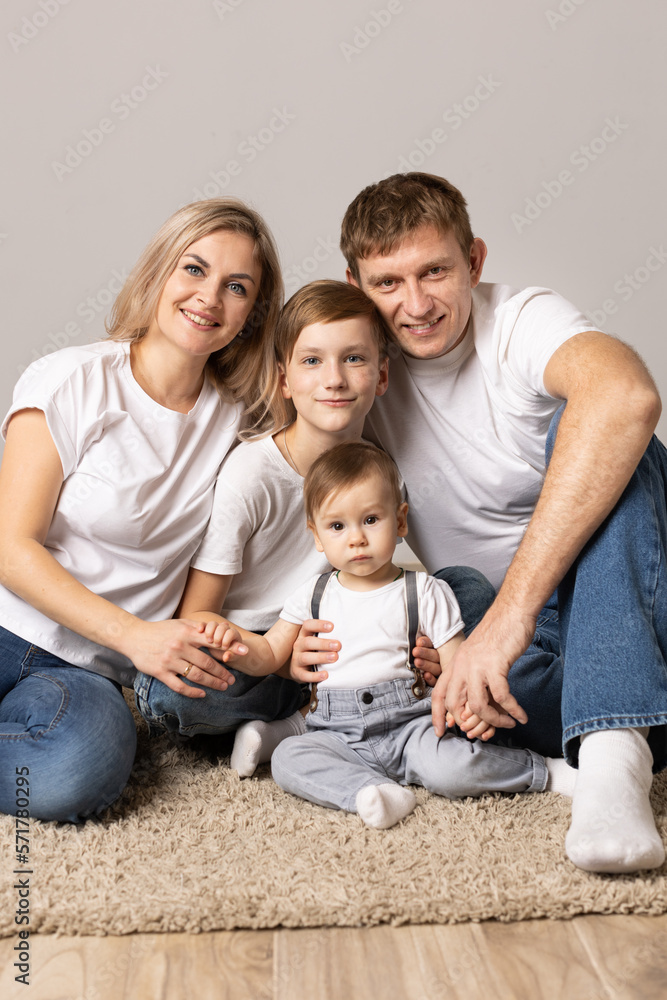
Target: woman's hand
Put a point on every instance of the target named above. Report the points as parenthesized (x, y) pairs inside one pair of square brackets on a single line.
[(169, 651)]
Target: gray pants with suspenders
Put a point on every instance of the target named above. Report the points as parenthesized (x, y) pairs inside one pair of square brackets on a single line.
[(383, 733)]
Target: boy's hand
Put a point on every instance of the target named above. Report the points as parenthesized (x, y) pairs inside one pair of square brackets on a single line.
[(472, 725), (427, 659), (221, 635), (311, 650)]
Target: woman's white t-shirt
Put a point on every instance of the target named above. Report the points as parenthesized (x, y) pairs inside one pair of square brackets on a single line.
[(137, 490)]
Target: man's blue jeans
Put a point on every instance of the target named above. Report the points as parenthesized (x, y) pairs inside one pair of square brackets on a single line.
[(599, 656), (71, 729)]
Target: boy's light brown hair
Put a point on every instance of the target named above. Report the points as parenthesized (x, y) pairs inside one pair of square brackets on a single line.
[(385, 213), (343, 466), (324, 301)]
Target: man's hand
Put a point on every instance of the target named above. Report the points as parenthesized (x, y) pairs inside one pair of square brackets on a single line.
[(311, 651), (477, 675)]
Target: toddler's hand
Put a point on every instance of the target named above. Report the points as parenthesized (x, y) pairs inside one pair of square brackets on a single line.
[(221, 635), (473, 726)]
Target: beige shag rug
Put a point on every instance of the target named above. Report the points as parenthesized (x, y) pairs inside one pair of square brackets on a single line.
[(190, 847)]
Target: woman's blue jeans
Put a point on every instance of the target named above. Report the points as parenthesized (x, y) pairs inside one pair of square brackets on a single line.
[(70, 728), (599, 656)]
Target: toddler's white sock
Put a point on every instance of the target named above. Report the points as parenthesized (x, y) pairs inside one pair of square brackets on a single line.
[(255, 741), (613, 829), (561, 776), (381, 806)]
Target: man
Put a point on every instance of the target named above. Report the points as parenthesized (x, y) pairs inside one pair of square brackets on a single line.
[(481, 371)]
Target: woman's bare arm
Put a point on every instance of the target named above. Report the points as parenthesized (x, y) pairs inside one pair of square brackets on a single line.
[(31, 477)]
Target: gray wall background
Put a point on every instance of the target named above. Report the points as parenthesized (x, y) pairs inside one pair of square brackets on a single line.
[(548, 114)]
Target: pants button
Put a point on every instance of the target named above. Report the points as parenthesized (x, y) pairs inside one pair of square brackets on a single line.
[(367, 697)]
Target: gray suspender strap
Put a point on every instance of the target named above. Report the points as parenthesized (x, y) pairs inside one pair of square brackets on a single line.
[(412, 605), (412, 602), (315, 601), (318, 590)]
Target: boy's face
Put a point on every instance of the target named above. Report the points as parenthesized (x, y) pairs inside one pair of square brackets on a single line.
[(357, 528), (334, 375), (423, 289)]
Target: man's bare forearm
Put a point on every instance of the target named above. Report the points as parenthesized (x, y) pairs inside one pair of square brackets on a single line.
[(602, 435)]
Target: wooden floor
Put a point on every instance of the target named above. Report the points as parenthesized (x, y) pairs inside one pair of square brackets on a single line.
[(588, 958)]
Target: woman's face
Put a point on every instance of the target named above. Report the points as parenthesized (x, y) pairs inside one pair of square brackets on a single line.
[(209, 295)]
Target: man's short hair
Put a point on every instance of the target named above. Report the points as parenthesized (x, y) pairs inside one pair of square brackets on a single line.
[(343, 466), (385, 213)]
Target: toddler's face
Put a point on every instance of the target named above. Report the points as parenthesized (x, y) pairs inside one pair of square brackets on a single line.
[(334, 375), (357, 528)]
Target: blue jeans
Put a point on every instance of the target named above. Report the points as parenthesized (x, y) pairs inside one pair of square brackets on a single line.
[(599, 655), (263, 698), (71, 728), (382, 733)]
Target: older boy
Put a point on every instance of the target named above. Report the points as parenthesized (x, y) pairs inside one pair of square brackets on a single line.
[(481, 372)]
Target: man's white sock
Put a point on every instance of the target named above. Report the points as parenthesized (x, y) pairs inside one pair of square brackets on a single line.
[(613, 829), (561, 778), (381, 806), (255, 741)]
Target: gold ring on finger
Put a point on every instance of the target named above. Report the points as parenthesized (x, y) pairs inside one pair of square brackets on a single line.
[(188, 669)]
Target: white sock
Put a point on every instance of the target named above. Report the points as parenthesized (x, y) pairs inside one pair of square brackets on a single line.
[(561, 776), (381, 806), (255, 741), (613, 829)]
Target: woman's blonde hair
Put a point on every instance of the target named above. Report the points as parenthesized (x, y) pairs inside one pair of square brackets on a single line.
[(324, 301), (236, 368)]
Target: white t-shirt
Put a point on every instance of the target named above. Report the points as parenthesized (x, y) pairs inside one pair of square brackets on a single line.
[(258, 534), (468, 429), (372, 626), (137, 491)]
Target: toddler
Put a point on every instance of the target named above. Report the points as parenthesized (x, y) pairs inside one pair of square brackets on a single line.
[(369, 733)]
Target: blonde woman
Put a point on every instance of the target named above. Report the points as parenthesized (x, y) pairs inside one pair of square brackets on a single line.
[(112, 451)]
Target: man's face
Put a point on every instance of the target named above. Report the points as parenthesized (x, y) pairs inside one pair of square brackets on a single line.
[(423, 289)]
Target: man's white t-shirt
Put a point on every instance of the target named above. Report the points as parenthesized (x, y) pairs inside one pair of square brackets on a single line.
[(258, 535), (137, 491), (372, 626), (468, 429)]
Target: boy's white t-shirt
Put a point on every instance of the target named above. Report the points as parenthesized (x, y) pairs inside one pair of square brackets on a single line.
[(257, 534), (137, 491), (372, 626), (468, 429)]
